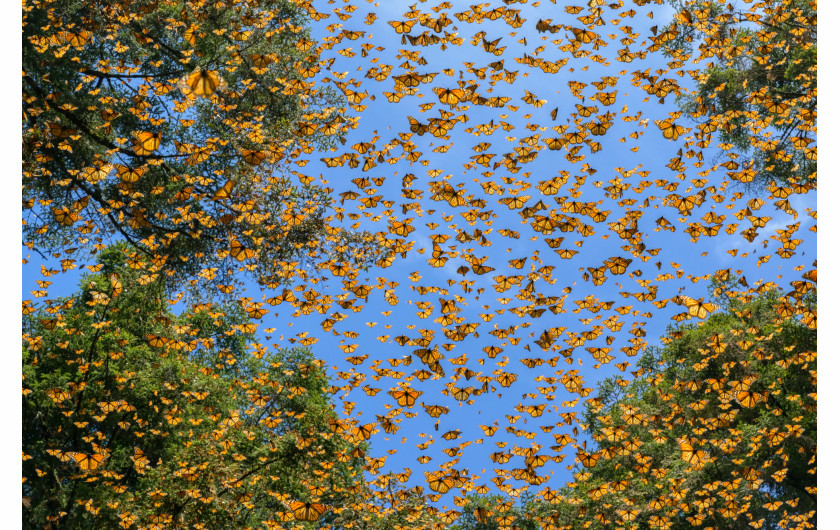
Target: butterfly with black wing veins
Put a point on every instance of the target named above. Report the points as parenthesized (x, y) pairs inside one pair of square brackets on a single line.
[(201, 82)]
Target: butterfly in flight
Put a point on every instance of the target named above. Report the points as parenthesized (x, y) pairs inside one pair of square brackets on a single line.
[(307, 511), (201, 82)]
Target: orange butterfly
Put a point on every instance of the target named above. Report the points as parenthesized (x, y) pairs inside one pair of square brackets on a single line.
[(440, 484), (146, 142), (254, 158), (307, 511), (201, 82), (670, 130), (88, 462), (691, 455), (128, 174), (405, 398), (240, 253), (696, 308), (588, 459)]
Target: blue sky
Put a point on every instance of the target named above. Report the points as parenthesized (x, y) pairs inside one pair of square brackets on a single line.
[(391, 311), (378, 318)]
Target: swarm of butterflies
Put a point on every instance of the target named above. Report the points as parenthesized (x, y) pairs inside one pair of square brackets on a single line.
[(533, 228)]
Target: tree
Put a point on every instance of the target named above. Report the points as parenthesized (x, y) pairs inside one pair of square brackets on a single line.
[(404, 509), (493, 512), (717, 429), (133, 415), (172, 125), (760, 76)]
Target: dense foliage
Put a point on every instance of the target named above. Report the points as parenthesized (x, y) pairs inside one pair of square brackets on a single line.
[(763, 77), (135, 414), (167, 124), (717, 428), (493, 512)]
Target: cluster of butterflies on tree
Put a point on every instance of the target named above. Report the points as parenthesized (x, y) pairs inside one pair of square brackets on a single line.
[(236, 144)]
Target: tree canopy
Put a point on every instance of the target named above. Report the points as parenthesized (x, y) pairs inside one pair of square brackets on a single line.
[(764, 78), (134, 415), (492, 512), (166, 124), (717, 428)]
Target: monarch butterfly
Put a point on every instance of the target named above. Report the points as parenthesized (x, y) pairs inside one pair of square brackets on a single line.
[(439, 131), (491, 46), (599, 128), (584, 36), (462, 394), (293, 218), (534, 410), (307, 511), (408, 80), (405, 398), (607, 98), (659, 521), (306, 129), (685, 204), (691, 455), (716, 344), (363, 432), (58, 395), (110, 406), (77, 40), (515, 202), (438, 260), (59, 131), (157, 341), (332, 127), (64, 457), (670, 130), (128, 174), (355, 97), (532, 99), (435, 411), (255, 311), (598, 277), (393, 97), (602, 355), (224, 191), (618, 265), (65, 216), (201, 82), (261, 62), (776, 107), (500, 458), (417, 127), (574, 138), (750, 399), (452, 197), (588, 459), (488, 430), (239, 252), (451, 435), (254, 158), (440, 484), (146, 142), (696, 308), (450, 96), (88, 462), (401, 26)]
